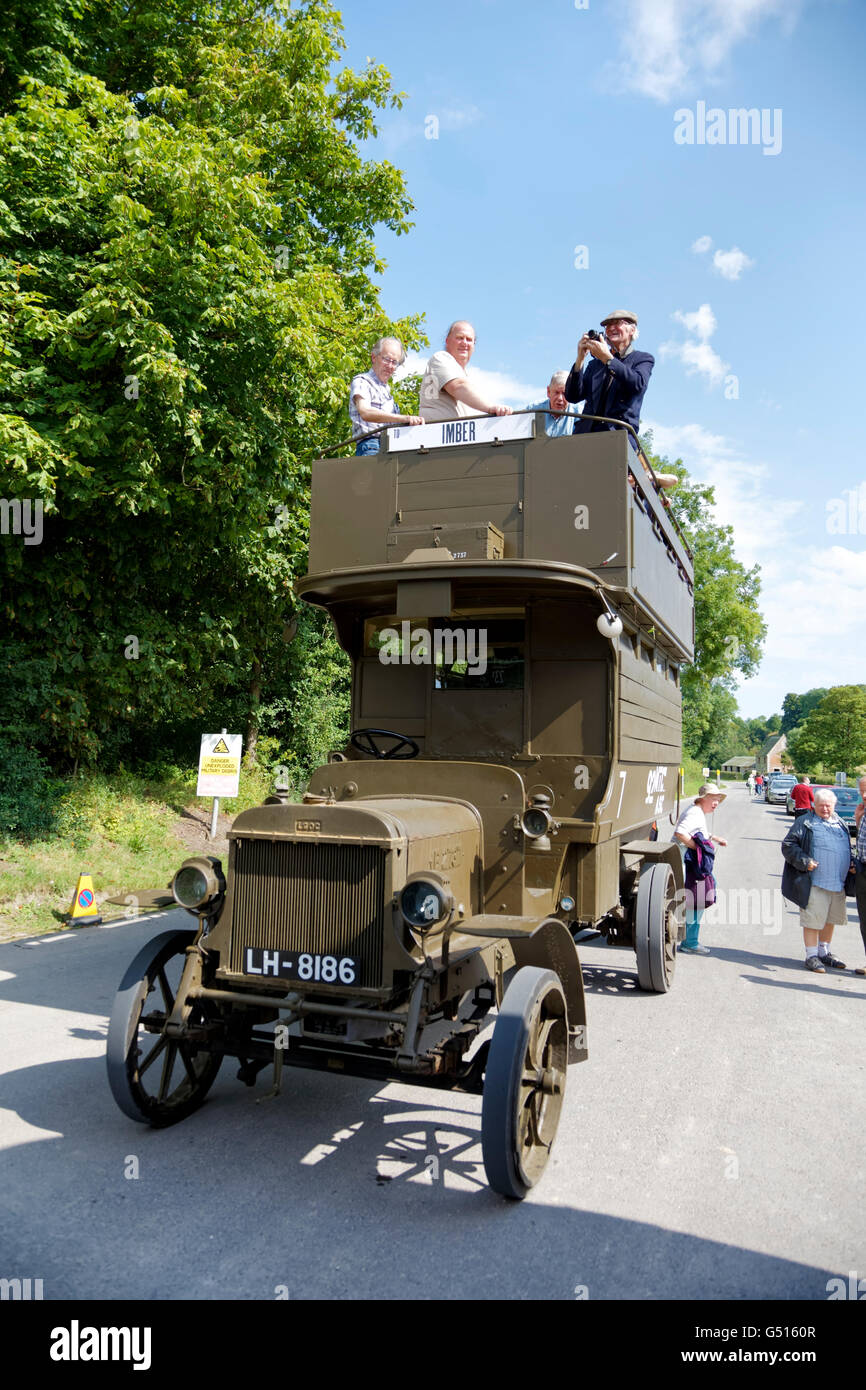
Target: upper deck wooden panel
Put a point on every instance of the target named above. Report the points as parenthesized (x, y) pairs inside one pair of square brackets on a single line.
[(584, 501)]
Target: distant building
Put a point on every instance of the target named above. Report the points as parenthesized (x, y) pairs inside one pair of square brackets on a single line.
[(770, 754), (739, 767)]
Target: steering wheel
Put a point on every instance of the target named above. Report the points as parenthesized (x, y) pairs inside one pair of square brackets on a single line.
[(365, 742)]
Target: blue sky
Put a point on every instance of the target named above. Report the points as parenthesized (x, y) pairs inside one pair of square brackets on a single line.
[(556, 130)]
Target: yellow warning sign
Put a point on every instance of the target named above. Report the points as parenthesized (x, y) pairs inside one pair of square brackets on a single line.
[(219, 764), (83, 909), (225, 766)]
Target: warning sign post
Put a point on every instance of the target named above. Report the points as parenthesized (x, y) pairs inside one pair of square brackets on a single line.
[(219, 769)]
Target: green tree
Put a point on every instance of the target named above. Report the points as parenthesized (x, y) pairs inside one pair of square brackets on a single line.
[(186, 253), (795, 708), (834, 733)]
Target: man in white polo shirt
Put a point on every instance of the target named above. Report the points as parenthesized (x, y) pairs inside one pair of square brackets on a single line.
[(445, 391)]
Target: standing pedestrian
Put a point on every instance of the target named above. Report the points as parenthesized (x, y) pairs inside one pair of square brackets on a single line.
[(370, 399), (817, 852), (692, 831), (750, 783), (802, 796)]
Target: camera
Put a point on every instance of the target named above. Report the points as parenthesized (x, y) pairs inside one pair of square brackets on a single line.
[(596, 337)]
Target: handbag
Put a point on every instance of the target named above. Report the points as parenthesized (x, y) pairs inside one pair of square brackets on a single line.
[(850, 878)]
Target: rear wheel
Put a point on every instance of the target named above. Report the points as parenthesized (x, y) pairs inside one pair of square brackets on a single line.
[(655, 929), (154, 1078), (524, 1082)]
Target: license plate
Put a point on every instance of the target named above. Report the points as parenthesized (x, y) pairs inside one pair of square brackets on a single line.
[(301, 966)]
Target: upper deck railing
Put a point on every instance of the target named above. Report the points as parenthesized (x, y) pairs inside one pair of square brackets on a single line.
[(599, 419)]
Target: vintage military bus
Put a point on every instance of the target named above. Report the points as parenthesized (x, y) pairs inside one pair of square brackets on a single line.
[(517, 610)]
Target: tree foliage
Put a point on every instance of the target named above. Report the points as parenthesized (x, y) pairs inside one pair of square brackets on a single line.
[(186, 252), (833, 734), (795, 708)]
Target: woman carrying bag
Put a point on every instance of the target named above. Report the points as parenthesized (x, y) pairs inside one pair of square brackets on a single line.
[(693, 832)]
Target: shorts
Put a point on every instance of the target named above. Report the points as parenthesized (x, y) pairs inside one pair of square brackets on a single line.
[(824, 908)]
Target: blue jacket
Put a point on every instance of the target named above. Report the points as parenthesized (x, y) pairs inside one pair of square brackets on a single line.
[(629, 378), (797, 850)]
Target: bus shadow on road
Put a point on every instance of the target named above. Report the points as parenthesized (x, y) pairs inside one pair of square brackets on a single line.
[(603, 979)]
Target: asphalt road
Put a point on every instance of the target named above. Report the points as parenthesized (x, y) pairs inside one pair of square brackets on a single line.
[(711, 1147)]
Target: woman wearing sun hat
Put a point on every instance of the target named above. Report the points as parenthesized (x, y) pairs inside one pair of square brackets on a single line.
[(693, 832)]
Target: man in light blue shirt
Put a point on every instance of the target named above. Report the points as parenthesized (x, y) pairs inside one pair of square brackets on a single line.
[(818, 849), (564, 415)]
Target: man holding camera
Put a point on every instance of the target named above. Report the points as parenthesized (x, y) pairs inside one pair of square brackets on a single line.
[(614, 382)]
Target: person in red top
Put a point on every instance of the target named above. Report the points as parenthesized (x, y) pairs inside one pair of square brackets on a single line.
[(802, 796)]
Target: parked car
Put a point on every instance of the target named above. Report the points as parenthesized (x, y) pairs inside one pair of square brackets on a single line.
[(846, 803), (780, 784)]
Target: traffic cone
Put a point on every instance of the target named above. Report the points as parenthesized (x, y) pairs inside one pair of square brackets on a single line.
[(83, 912)]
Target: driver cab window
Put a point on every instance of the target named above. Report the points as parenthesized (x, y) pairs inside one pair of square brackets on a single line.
[(465, 654)]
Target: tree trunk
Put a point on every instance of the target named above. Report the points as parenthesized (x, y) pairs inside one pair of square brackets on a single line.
[(255, 701)]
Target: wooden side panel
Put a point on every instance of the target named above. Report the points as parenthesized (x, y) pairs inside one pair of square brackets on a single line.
[(650, 707)]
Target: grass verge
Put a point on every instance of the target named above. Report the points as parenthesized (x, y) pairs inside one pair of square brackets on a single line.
[(119, 828)]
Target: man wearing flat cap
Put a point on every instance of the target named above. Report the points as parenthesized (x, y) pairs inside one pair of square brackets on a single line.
[(614, 381)]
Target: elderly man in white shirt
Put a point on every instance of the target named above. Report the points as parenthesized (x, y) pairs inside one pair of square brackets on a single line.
[(370, 399), (445, 390)]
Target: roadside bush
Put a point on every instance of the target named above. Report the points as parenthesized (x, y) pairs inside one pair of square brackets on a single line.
[(27, 807)]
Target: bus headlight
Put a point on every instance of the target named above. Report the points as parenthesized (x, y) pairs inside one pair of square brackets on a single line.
[(425, 903), (197, 883)]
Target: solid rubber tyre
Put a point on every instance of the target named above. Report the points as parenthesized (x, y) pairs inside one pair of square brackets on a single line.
[(130, 1054), (655, 929), (524, 1081)]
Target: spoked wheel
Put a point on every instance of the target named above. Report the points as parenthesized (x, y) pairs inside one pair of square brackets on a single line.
[(156, 1079), (655, 929), (524, 1082)]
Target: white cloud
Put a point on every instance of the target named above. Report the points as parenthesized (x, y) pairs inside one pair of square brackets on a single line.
[(731, 264), (668, 45), (702, 322), (814, 604), (813, 597), (702, 245), (826, 590), (745, 496), (698, 357), (501, 388)]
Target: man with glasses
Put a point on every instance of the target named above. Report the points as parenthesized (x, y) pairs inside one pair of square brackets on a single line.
[(370, 399)]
